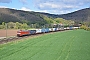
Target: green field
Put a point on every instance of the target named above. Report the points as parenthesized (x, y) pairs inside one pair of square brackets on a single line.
[(66, 45)]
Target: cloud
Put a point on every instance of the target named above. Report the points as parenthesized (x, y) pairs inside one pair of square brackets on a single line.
[(61, 5), (48, 6), (7, 7), (25, 9), (5, 1), (23, 1), (28, 9), (3, 7), (45, 11)]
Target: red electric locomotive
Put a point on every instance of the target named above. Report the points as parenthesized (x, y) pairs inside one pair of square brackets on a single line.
[(22, 32)]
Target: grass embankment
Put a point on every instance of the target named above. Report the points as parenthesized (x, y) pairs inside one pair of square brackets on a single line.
[(68, 45)]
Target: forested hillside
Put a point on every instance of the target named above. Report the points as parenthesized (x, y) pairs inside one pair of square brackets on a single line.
[(12, 17), (39, 19), (79, 16)]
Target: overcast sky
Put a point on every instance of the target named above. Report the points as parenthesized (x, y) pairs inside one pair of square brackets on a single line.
[(48, 6)]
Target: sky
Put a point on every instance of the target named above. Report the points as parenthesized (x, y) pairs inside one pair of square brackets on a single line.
[(47, 6)]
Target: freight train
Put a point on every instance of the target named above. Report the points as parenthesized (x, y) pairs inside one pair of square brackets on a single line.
[(21, 33)]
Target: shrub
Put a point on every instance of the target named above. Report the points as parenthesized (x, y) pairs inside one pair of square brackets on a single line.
[(85, 27)]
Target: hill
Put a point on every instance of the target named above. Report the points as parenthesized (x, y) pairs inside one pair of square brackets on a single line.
[(11, 15), (82, 15), (30, 17), (78, 16)]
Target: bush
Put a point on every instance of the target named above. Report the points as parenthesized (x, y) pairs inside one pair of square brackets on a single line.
[(85, 27), (88, 29)]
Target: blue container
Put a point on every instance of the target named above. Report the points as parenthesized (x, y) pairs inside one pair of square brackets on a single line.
[(43, 30), (55, 29), (47, 30), (32, 32), (71, 27)]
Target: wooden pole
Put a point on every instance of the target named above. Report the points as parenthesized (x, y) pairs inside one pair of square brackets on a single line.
[(6, 30)]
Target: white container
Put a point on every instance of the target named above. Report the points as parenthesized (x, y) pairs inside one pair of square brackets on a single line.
[(38, 30)]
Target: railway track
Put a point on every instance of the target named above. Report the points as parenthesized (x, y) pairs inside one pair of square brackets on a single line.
[(9, 39), (6, 40)]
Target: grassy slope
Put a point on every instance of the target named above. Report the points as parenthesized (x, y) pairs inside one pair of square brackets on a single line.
[(68, 45)]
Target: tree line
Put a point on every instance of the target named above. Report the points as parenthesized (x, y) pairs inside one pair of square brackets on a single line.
[(48, 22), (86, 26), (12, 25)]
